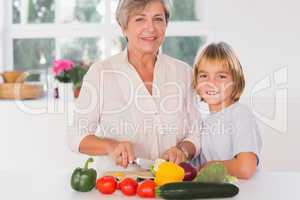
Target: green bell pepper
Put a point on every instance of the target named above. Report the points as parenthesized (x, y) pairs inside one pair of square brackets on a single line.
[(84, 179)]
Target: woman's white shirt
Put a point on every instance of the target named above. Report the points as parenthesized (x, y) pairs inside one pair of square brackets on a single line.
[(114, 103)]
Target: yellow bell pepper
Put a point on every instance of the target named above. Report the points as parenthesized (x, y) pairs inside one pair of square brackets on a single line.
[(168, 173)]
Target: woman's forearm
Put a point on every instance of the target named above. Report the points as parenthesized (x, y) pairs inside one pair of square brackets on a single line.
[(93, 145)]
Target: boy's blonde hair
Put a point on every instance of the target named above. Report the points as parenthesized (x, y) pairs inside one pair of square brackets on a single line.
[(222, 54)]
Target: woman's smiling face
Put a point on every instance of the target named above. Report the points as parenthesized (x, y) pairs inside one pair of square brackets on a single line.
[(215, 85), (146, 29)]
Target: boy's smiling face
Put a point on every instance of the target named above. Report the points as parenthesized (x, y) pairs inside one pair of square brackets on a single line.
[(215, 85)]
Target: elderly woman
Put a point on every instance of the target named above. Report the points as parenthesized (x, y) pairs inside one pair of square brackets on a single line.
[(138, 103)]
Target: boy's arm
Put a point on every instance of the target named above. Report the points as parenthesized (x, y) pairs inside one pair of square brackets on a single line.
[(242, 166)]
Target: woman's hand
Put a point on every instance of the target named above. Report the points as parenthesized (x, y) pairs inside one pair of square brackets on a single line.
[(122, 153), (175, 155)]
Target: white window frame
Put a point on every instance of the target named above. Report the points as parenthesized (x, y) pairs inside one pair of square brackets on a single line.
[(105, 30)]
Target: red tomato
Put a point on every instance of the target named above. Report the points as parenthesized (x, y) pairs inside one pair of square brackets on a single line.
[(128, 186), (118, 185), (146, 189), (106, 184)]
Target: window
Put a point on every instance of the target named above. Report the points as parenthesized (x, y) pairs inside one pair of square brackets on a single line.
[(38, 31)]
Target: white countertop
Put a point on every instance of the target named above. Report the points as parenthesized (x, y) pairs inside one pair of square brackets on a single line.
[(48, 186)]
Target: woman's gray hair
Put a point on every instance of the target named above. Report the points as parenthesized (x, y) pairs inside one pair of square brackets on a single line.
[(129, 7)]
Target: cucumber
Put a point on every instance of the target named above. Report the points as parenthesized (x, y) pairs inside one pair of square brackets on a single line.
[(196, 190)]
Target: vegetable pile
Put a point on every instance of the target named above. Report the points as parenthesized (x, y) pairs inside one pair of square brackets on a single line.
[(171, 181)]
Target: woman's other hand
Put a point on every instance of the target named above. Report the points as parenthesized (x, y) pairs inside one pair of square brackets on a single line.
[(122, 153), (175, 155)]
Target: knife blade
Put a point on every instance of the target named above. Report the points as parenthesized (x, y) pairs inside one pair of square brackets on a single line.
[(144, 163)]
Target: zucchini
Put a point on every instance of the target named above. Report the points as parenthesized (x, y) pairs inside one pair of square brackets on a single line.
[(196, 190)]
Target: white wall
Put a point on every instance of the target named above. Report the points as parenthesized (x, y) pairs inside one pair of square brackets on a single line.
[(35, 142), (265, 35)]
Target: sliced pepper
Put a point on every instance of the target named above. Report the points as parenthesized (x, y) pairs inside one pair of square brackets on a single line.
[(168, 173)]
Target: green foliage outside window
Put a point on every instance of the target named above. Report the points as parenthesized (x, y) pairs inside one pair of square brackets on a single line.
[(86, 11), (41, 11), (184, 10)]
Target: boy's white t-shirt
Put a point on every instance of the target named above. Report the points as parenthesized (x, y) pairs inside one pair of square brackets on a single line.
[(227, 133)]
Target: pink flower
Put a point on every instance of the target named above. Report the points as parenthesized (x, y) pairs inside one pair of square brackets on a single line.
[(62, 65)]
